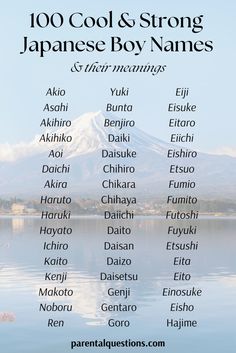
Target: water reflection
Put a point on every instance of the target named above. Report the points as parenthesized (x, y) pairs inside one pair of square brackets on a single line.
[(22, 273), (18, 224)]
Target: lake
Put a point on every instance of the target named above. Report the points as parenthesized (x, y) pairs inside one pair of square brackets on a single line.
[(23, 327)]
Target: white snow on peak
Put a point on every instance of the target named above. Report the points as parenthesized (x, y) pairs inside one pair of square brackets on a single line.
[(88, 135)]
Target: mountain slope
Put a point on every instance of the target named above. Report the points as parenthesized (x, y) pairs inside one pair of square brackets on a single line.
[(21, 165)]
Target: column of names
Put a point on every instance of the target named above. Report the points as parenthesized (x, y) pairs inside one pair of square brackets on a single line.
[(55, 225), (182, 212)]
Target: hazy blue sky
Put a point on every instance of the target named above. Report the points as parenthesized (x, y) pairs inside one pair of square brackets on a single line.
[(210, 76)]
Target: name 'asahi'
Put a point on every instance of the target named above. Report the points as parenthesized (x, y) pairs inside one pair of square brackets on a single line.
[(56, 107)]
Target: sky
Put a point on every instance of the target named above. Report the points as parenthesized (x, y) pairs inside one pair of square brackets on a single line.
[(210, 77)]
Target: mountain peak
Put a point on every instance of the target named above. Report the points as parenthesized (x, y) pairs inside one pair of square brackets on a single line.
[(88, 135), (89, 118)]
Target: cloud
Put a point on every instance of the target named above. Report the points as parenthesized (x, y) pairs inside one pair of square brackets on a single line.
[(225, 150), (11, 153)]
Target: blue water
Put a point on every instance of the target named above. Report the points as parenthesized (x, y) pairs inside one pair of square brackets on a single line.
[(213, 269)]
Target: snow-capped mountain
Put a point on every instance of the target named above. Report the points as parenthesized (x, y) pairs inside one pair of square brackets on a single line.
[(21, 165)]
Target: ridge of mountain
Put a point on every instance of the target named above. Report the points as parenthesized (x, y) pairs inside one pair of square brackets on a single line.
[(21, 169)]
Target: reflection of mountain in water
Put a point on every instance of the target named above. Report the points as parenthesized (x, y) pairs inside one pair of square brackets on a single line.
[(22, 267), (21, 167)]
